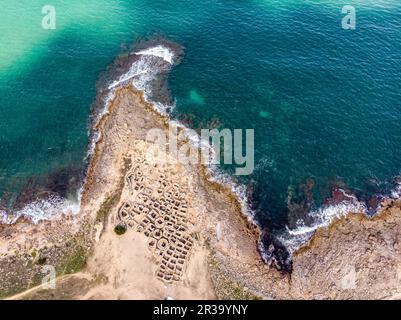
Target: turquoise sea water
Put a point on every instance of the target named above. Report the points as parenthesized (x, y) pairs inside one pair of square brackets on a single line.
[(324, 102)]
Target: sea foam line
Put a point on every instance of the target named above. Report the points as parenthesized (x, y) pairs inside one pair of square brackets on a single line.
[(159, 51), (42, 210), (293, 239)]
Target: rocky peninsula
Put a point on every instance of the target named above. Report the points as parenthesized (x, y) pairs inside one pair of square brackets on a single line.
[(158, 230)]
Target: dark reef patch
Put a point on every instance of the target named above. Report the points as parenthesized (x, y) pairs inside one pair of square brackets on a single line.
[(63, 182)]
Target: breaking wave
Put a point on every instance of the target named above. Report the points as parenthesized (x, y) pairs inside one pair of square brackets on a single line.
[(294, 238), (151, 63), (42, 210)]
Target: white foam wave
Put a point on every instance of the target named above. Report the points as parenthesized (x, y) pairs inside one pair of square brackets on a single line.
[(293, 239), (151, 63), (43, 209), (158, 51), (396, 192)]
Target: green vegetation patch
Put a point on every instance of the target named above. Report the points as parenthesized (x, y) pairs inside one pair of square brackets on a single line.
[(75, 262), (225, 287), (120, 229)]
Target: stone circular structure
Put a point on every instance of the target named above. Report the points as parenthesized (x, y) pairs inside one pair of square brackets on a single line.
[(162, 244)]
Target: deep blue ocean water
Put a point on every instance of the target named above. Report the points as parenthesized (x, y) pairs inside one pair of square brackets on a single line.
[(324, 102)]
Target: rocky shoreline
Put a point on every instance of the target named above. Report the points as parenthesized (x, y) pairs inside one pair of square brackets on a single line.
[(183, 234)]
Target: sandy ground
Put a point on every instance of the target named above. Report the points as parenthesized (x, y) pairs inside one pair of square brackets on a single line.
[(129, 271)]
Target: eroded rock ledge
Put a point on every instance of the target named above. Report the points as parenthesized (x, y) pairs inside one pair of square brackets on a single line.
[(356, 257)]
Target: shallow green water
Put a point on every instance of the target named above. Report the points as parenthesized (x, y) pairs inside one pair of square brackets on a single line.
[(324, 102)]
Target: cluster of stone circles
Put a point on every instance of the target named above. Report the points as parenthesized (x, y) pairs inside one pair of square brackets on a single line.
[(160, 213)]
